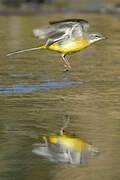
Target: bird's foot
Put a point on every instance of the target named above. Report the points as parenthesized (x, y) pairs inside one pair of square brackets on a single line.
[(67, 68)]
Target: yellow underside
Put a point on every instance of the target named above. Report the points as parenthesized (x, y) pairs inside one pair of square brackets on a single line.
[(69, 46), (70, 142)]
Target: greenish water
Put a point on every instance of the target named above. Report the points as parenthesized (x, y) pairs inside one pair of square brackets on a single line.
[(35, 93)]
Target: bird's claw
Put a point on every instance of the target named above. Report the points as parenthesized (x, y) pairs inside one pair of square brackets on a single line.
[(67, 68)]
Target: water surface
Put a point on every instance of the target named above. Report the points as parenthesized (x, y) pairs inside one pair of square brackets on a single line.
[(35, 94)]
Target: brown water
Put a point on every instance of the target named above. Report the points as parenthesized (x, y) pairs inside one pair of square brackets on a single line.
[(35, 93)]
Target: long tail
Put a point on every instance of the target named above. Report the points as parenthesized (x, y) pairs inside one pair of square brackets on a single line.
[(26, 50)]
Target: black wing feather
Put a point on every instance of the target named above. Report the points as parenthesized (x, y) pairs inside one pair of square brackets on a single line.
[(69, 20)]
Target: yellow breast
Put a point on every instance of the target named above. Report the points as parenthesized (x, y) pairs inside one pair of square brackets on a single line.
[(70, 142), (69, 46)]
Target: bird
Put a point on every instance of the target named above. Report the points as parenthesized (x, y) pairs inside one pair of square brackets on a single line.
[(66, 37), (65, 148)]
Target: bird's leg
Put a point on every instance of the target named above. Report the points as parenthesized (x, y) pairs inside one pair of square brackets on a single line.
[(67, 64), (65, 124)]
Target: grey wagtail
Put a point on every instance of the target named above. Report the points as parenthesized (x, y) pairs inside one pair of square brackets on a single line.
[(66, 37)]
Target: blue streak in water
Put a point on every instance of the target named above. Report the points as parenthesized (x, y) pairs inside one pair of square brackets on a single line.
[(21, 88)]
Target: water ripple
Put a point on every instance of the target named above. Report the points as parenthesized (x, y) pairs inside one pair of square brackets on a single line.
[(26, 88)]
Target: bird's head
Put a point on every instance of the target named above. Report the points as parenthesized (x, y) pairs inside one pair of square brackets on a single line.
[(93, 37)]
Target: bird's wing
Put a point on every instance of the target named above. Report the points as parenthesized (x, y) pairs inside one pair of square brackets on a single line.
[(82, 24), (60, 37), (69, 20), (44, 32), (62, 30), (64, 26)]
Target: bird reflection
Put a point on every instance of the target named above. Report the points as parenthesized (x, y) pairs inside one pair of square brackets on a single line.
[(65, 148)]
